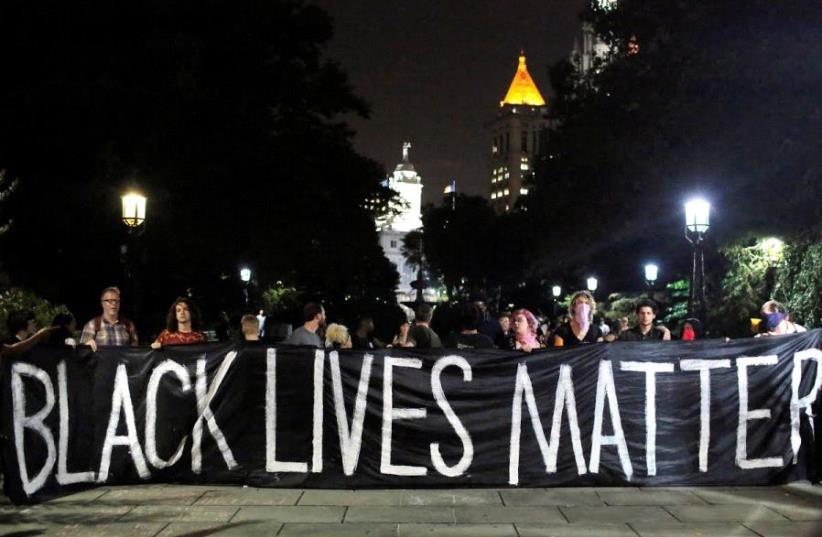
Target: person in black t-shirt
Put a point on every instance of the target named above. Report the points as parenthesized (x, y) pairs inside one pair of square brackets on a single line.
[(363, 338), (580, 329), (645, 330), (468, 336)]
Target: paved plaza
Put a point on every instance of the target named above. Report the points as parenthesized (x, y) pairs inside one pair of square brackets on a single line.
[(179, 510)]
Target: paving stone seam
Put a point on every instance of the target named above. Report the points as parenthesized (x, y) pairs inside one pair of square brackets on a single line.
[(501, 499), (297, 502), (633, 529), (751, 529), (345, 514), (162, 529), (563, 515), (667, 510)]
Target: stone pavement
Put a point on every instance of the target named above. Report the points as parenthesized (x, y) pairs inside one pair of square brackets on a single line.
[(179, 510)]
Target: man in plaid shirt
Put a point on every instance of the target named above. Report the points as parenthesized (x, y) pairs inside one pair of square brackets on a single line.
[(109, 328)]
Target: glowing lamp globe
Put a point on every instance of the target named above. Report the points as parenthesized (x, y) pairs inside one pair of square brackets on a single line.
[(134, 209), (697, 215)]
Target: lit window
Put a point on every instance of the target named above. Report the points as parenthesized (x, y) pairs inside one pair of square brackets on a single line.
[(523, 191), (493, 195), (523, 167), (505, 191)]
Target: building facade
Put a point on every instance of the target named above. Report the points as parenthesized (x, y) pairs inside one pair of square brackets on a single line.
[(517, 134), (405, 216)]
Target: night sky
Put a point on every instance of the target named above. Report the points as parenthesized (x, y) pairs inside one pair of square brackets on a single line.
[(434, 73)]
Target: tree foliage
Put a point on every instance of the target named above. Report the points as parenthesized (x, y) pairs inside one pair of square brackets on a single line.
[(799, 279), (13, 298), (225, 114), (721, 98)]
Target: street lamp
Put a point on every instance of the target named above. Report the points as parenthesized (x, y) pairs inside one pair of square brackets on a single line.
[(134, 210), (697, 223), (245, 276), (651, 273), (556, 291), (592, 283), (134, 217)]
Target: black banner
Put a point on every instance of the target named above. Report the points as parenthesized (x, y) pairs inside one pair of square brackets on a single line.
[(646, 413)]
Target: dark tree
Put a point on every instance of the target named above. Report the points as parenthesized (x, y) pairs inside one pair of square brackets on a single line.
[(224, 113), (702, 96)]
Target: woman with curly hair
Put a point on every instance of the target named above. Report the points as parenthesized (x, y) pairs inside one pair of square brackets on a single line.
[(579, 329), (182, 322)]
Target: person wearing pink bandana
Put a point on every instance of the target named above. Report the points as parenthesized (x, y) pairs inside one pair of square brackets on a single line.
[(524, 335), (580, 329)]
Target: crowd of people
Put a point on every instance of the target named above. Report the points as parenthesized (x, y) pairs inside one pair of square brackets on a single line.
[(472, 328)]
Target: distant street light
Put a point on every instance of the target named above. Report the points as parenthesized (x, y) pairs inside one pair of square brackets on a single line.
[(592, 284), (697, 223), (556, 291), (134, 210), (651, 273), (245, 276)]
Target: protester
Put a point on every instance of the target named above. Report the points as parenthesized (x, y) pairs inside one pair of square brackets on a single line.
[(777, 320), (11, 350), (109, 328), (337, 337), (580, 328), (604, 328), (468, 336), (21, 326), (363, 338), (645, 330), (487, 325), (182, 323), (421, 332), (505, 337), (624, 324), (403, 339), (250, 327), (261, 317), (692, 329), (525, 325), (66, 327), (313, 321)]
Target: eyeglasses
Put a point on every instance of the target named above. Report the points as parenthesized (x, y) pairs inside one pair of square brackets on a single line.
[(111, 300)]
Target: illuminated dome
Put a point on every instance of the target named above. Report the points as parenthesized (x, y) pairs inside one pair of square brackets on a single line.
[(523, 91)]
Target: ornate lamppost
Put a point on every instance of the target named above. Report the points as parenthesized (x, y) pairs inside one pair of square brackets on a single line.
[(134, 217), (697, 223), (592, 284)]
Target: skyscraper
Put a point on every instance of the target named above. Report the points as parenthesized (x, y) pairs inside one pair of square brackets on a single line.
[(516, 135)]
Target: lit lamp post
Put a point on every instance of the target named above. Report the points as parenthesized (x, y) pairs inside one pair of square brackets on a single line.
[(556, 291), (134, 211), (592, 284), (697, 222), (134, 217), (651, 274), (245, 276)]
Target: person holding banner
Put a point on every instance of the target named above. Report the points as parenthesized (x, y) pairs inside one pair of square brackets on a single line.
[(524, 334), (645, 330), (777, 320), (181, 321), (580, 329), (109, 328)]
